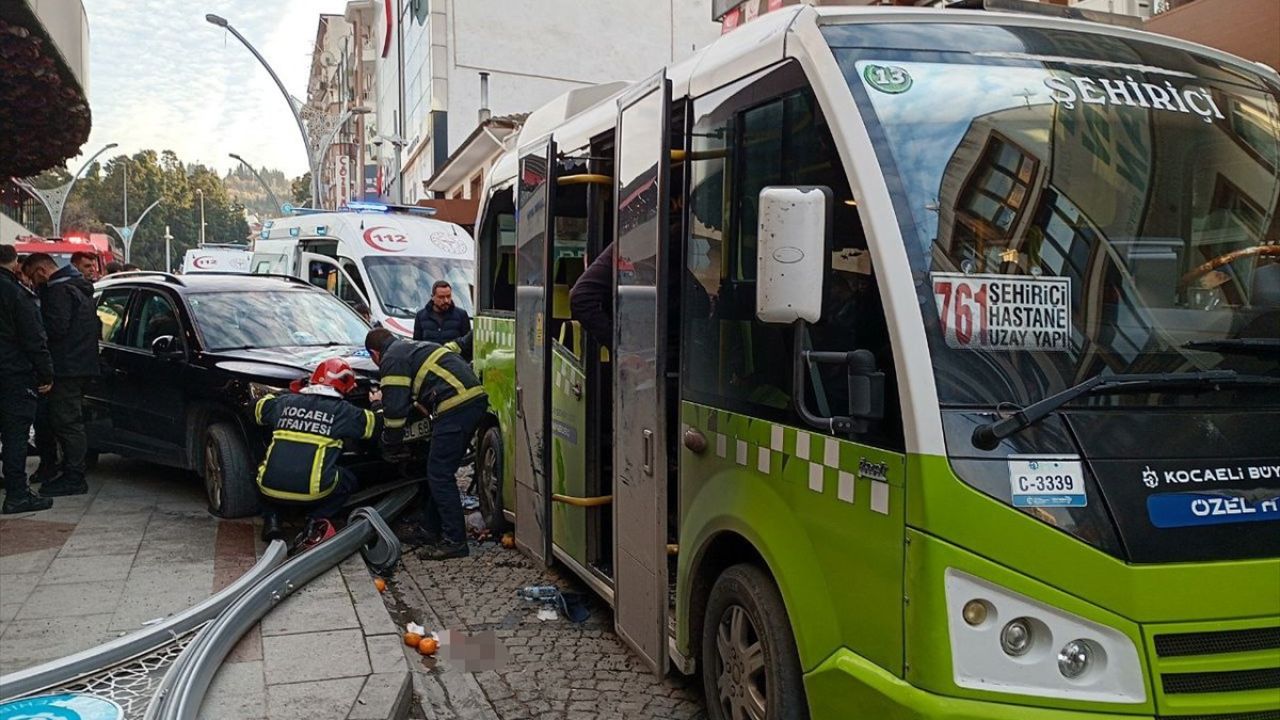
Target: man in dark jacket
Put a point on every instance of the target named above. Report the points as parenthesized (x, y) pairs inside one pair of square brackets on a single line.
[(71, 322), (443, 323), (435, 381), (27, 371)]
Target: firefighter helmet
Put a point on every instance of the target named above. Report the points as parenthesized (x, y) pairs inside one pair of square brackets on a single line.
[(337, 374)]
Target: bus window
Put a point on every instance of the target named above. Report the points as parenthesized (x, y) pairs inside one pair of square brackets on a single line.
[(497, 237), (731, 359)]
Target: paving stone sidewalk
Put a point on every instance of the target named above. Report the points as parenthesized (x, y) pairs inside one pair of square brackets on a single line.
[(554, 669), (141, 546)]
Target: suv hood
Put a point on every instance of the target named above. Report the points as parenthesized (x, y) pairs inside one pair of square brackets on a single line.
[(289, 363)]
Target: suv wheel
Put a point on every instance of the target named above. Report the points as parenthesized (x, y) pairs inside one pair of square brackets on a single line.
[(228, 479), (489, 479)]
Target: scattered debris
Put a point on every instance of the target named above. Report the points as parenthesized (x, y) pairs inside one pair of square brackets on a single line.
[(380, 584)]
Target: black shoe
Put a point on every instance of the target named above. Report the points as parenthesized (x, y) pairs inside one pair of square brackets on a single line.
[(415, 535), (43, 474), (21, 502), (445, 551), (271, 529), (64, 485)]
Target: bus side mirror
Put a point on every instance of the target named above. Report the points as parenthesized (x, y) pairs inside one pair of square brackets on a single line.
[(790, 252)]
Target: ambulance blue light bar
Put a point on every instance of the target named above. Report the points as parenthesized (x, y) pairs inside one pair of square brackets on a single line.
[(365, 206)]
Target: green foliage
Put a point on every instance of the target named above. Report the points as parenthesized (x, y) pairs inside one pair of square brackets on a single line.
[(300, 189), (98, 199)]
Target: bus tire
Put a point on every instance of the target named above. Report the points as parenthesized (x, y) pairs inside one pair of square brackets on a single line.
[(227, 471), (749, 654), (488, 475)]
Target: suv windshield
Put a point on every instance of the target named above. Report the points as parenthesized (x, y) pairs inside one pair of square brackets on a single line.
[(403, 284), (274, 318), (1075, 205)]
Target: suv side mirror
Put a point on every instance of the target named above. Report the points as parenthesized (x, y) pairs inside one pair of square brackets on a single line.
[(166, 346), (790, 247)]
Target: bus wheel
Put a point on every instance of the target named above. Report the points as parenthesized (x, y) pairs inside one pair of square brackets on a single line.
[(489, 479), (750, 667)]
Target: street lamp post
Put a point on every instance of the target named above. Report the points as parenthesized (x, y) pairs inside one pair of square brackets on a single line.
[(399, 144), (54, 199), (168, 238), (275, 200), (200, 192), (126, 231), (293, 105)]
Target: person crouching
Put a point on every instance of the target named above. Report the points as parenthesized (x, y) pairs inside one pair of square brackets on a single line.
[(301, 467)]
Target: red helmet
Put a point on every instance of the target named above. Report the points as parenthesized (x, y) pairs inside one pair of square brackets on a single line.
[(337, 374)]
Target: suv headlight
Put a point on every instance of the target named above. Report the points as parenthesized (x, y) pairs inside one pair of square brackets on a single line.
[(1005, 642)]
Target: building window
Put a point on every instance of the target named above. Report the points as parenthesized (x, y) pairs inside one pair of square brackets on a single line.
[(477, 183), (994, 196)]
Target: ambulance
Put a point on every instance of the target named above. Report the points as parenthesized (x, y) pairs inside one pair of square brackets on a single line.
[(217, 258), (384, 256)]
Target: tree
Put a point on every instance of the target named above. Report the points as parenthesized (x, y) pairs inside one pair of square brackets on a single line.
[(300, 189), (98, 199)]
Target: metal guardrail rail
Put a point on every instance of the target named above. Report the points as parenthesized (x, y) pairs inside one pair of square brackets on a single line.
[(182, 691), (87, 662)]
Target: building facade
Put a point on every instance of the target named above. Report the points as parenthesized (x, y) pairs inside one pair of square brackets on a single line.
[(429, 55)]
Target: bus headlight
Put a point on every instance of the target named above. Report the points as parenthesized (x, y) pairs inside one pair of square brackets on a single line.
[(1075, 659), (1006, 642)]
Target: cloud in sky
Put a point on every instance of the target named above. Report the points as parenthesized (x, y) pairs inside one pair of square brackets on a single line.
[(163, 78)]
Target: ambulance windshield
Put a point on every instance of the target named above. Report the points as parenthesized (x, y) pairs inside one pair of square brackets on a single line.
[(1076, 205)]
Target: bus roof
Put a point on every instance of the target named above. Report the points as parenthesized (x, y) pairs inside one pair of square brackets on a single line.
[(762, 42), (376, 234)]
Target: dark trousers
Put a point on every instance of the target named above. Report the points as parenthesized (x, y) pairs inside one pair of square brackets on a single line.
[(17, 412), (325, 508), (66, 417), (441, 507), (46, 442)]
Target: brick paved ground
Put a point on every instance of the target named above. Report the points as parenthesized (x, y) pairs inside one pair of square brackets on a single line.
[(555, 669)]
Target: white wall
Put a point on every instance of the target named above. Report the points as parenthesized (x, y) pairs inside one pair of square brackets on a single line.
[(68, 25), (10, 229), (534, 51)]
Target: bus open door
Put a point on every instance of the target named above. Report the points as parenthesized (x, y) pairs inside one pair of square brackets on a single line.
[(639, 388)]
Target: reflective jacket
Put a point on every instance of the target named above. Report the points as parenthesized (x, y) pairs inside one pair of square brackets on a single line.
[(425, 374), (302, 462)]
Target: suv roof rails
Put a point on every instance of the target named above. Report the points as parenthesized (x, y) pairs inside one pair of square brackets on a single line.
[(277, 276), (169, 277)]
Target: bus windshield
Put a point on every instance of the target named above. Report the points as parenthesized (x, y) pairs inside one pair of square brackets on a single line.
[(1077, 205), (403, 284)]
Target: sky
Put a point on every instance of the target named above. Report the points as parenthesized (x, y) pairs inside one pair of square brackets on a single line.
[(163, 78)]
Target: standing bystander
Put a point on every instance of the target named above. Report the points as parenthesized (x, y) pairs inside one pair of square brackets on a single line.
[(442, 322), (71, 322), (27, 371), (87, 264)]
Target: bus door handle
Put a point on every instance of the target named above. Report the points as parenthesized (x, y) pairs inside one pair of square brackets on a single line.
[(519, 401), (648, 452)]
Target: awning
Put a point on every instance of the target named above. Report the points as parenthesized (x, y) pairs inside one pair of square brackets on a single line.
[(480, 145), (44, 114)]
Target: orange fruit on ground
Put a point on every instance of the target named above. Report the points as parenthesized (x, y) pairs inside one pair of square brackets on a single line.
[(412, 639), (428, 646), (380, 584)]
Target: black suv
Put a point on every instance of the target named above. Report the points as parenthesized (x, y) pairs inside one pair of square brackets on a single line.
[(185, 358)]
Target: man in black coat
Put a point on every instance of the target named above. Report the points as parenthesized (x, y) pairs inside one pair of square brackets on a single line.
[(444, 323), (27, 371), (71, 322)]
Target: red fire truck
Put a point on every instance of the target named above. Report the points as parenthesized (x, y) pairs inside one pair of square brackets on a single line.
[(64, 247)]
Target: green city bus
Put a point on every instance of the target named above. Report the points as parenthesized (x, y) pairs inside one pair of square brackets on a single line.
[(939, 370)]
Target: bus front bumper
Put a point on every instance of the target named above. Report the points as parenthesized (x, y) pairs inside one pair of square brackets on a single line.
[(847, 686)]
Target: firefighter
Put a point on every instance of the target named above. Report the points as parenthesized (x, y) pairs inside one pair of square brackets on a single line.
[(436, 381), (301, 467)]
